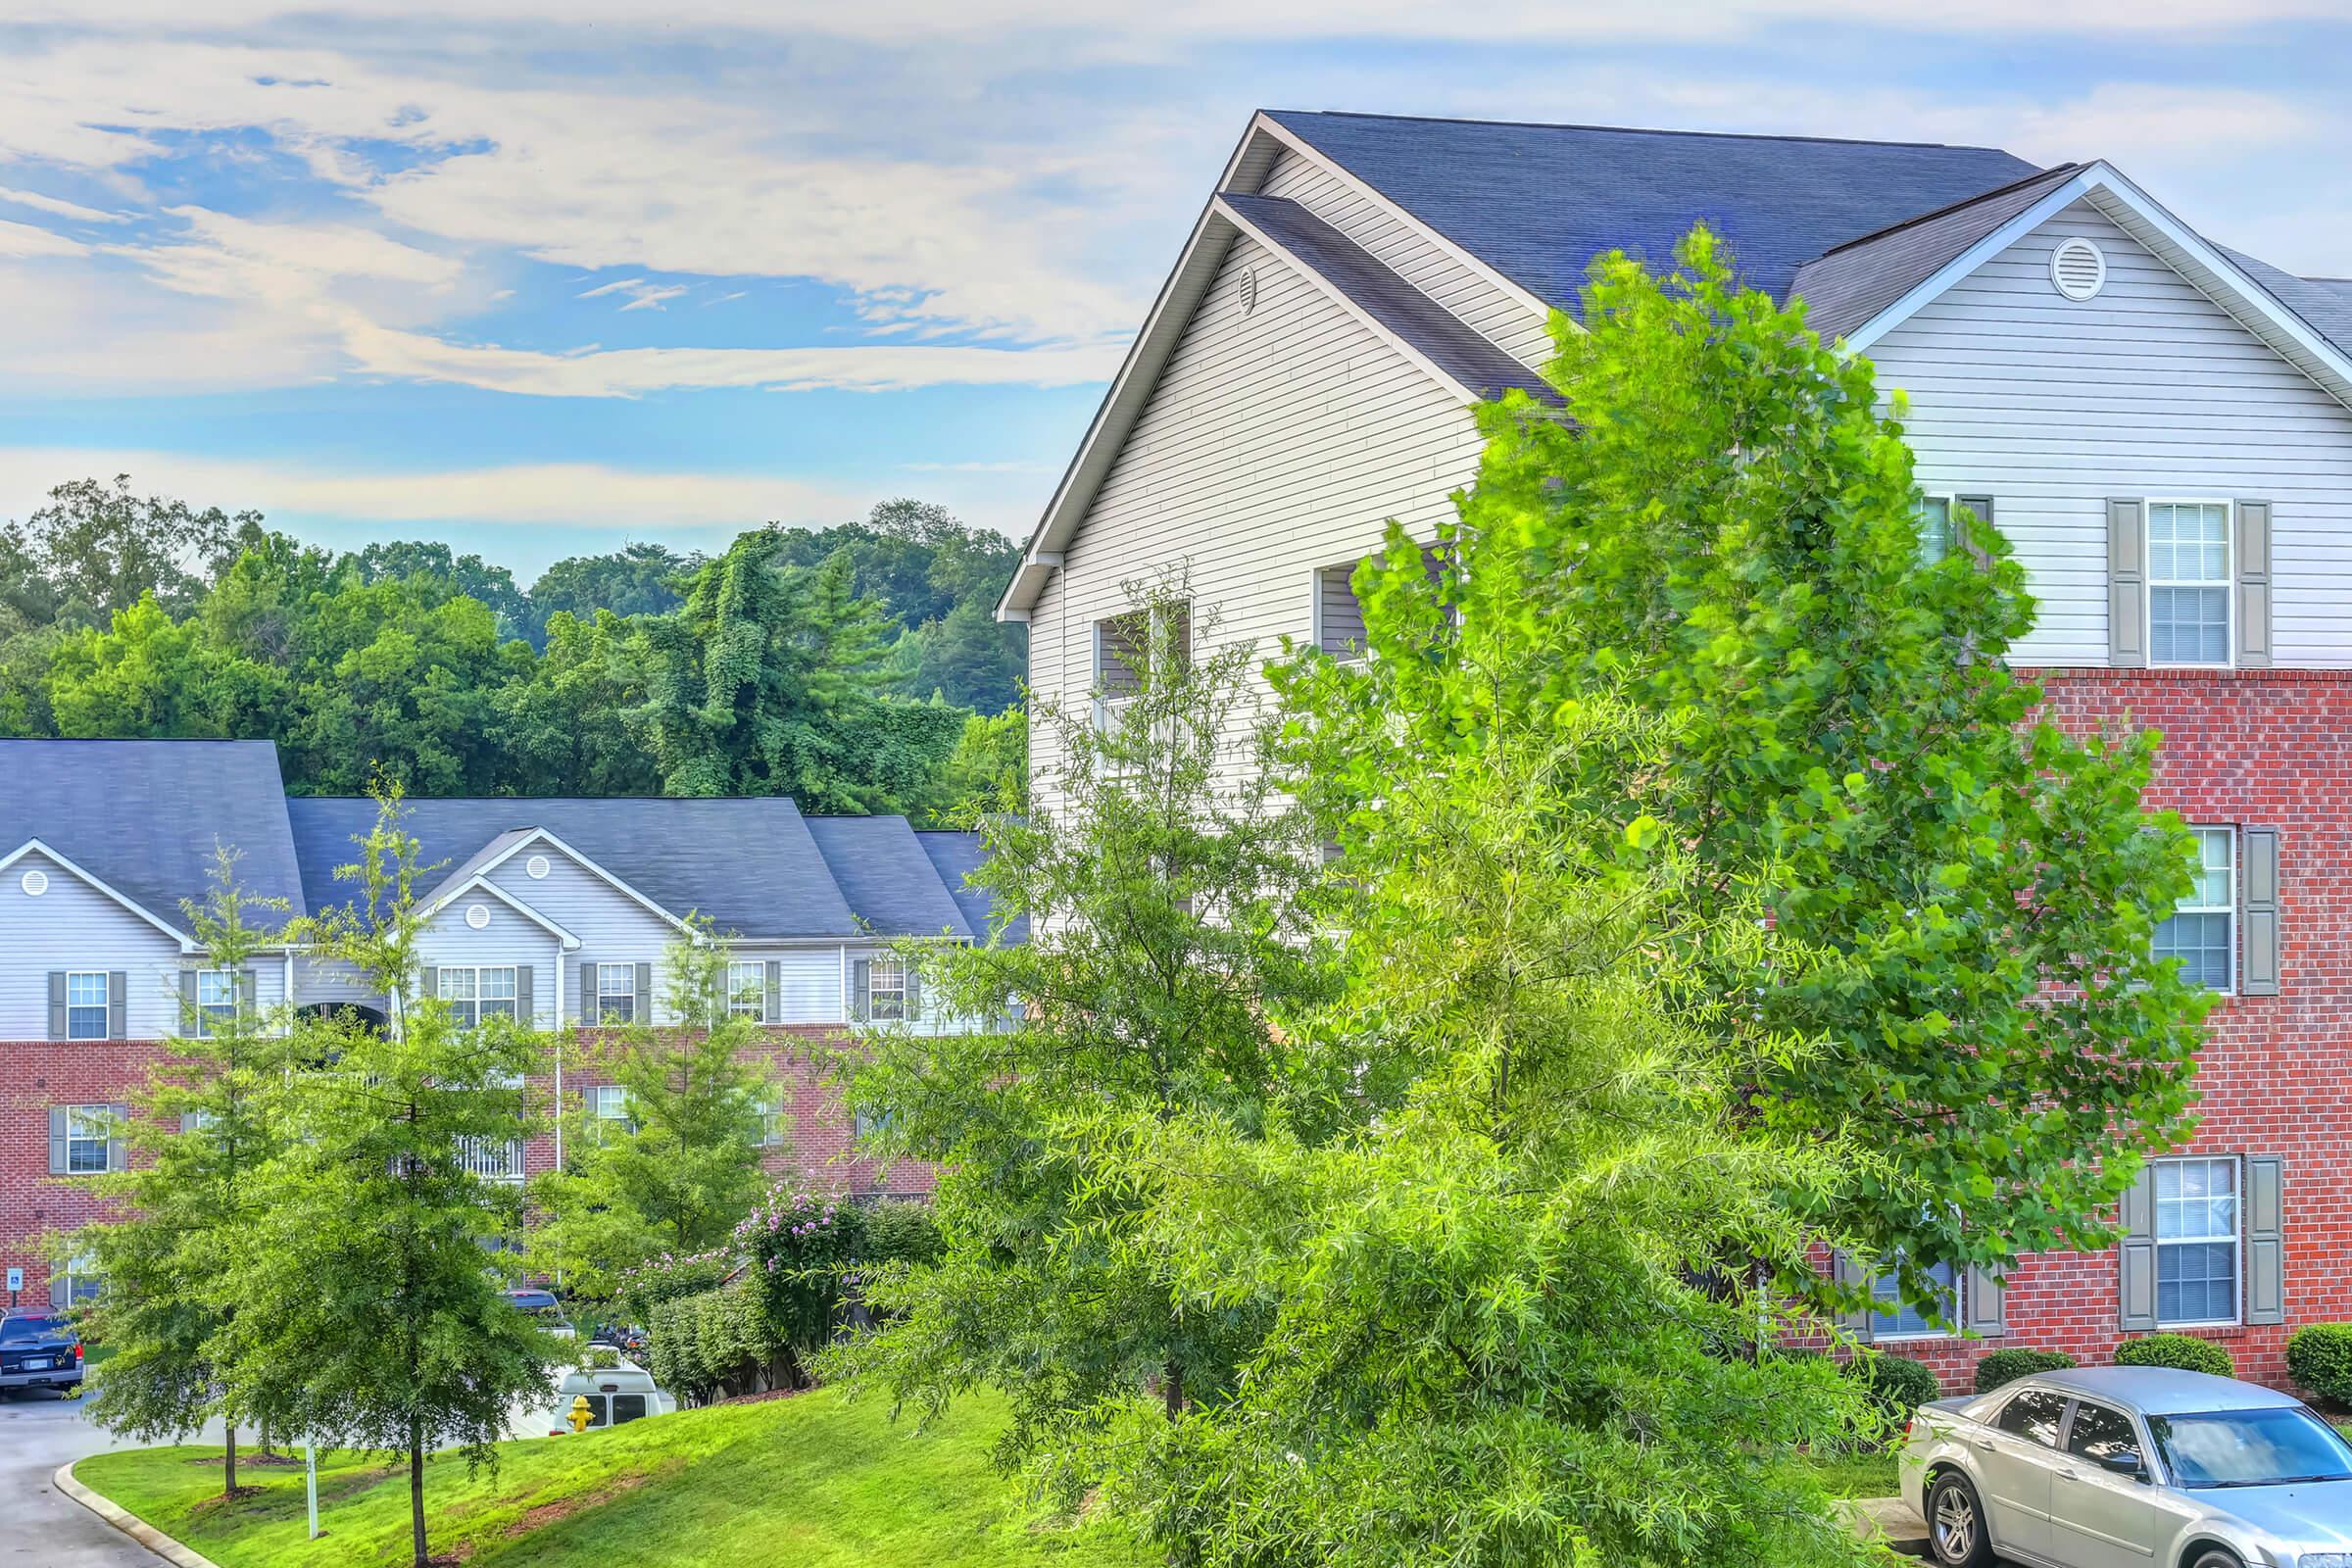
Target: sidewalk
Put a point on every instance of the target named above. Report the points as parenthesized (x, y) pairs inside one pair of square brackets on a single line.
[(1894, 1518)]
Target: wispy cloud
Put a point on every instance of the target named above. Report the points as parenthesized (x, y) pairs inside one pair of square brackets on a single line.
[(61, 209)]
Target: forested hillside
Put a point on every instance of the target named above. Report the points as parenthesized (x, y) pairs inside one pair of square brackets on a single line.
[(858, 669)]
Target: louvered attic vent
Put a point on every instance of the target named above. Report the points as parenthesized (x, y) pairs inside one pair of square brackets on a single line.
[(2079, 269)]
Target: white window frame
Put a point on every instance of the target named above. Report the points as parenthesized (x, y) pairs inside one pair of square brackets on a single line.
[(2237, 1241), (103, 1006), (472, 1007), (756, 1007), (100, 1117), (2229, 909), (2228, 582), (84, 1282), (1955, 1298), (770, 1106), (1106, 707), (224, 1009), (1951, 514), (874, 989), (606, 992), (608, 1105)]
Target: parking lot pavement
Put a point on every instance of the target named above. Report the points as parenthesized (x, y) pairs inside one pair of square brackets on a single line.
[(1896, 1519), (38, 1524)]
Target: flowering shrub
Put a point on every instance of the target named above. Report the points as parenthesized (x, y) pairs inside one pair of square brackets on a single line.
[(799, 1247), (667, 1278)]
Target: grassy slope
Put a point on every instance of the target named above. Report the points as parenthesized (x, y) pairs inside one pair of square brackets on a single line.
[(810, 1481)]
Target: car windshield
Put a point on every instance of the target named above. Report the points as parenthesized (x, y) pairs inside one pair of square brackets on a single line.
[(13, 1329), (2250, 1447)]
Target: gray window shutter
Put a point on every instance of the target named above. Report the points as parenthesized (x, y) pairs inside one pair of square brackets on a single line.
[(117, 1148), (526, 1008), (187, 996), (859, 970), (2127, 584), (57, 1004), (1848, 1273), (57, 1140), (188, 1121), (428, 981), (1982, 506), (118, 1000), (2265, 1240), (1986, 1307), (590, 1012), (2136, 1255), (2254, 585), (2259, 965), (774, 1012), (641, 1005), (248, 992), (915, 993), (59, 1289)]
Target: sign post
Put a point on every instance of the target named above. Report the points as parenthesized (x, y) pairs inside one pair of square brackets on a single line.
[(309, 1465), (16, 1283)]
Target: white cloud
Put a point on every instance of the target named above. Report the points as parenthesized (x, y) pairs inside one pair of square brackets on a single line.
[(23, 239), (644, 295), (61, 209)]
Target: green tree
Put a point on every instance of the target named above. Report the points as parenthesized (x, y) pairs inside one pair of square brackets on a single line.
[(370, 1314), (686, 1166), (147, 676), (399, 679), (557, 728), (439, 572), (97, 548), (1722, 531), (637, 579), (1180, 919), (205, 1124)]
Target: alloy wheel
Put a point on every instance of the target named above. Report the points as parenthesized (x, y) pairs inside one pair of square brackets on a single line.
[(1955, 1526)]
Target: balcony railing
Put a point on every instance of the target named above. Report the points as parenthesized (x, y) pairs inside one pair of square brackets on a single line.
[(492, 1159)]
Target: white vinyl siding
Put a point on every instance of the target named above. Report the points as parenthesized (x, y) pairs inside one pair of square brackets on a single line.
[(1274, 444), (507, 942), (2149, 390), (612, 926), (808, 986), (1489, 310), (75, 926)]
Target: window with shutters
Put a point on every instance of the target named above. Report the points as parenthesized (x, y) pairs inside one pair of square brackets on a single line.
[(609, 1109), (478, 993), (1935, 532), (88, 1131), (85, 1005), (2202, 931), (1894, 1318), (84, 1282), (616, 991), (746, 989), (886, 987), (770, 1106), (216, 1000), (2189, 583), (2198, 1253)]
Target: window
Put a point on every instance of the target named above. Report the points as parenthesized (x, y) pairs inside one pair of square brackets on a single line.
[(89, 1129), (746, 989), (84, 1282), (615, 991), (85, 1005), (627, 1407), (865, 1124), (1935, 531), (2188, 582), (216, 999), (2034, 1415), (2202, 932), (473, 995), (771, 1120), (2196, 1240), (1891, 1318), (2100, 1434), (886, 989), (1125, 646), (608, 1106)]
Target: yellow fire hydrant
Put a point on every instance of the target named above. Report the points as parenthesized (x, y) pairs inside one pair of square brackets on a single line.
[(579, 1416)]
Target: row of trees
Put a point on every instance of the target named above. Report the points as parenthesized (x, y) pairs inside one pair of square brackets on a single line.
[(846, 666), (1705, 896)]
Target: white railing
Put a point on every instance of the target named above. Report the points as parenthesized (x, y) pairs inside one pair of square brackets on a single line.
[(492, 1159)]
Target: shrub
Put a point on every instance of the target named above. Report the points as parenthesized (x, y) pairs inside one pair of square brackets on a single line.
[(1896, 1385), (2319, 1356), (901, 1233), (2181, 1352), (2005, 1367), (799, 1247), (711, 1345), (667, 1279)]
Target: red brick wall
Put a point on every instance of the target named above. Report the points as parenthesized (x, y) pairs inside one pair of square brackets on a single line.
[(35, 1075), (2269, 748)]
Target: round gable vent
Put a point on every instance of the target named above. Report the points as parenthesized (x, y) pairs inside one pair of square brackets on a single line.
[(2079, 269), (536, 866), (35, 883), (477, 915), (1248, 290)]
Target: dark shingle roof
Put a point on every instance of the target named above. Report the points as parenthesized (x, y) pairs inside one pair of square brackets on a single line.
[(1538, 203), (1434, 332), (2324, 303), (958, 856), (890, 882), (145, 816), (1850, 285), (749, 865)]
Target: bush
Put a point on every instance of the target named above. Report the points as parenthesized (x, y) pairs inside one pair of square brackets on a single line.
[(2183, 1353), (2319, 1356), (712, 1345), (667, 1279), (1896, 1385), (2005, 1367), (901, 1233)]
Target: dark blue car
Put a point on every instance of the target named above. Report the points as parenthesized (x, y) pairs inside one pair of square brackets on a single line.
[(39, 1349)]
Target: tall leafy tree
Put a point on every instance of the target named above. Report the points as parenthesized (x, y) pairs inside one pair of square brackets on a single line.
[(95, 549), (440, 571), (370, 1316), (559, 724), (1722, 532), (637, 579)]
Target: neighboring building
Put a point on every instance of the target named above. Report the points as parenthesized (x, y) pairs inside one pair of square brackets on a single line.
[(558, 910), (2158, 424)]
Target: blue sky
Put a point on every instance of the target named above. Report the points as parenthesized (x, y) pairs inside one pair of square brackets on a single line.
[(539, 278)]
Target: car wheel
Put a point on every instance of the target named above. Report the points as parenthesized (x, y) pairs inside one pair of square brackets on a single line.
[(2217, 1558), (1956, 1524)]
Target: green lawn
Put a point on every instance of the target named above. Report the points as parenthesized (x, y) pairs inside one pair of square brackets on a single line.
[(813, 1481), (1856, 1475)]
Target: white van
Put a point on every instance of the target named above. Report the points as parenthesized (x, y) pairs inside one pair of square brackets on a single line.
[(616, 1396)]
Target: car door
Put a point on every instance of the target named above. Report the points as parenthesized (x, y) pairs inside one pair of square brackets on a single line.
[(2015, 1457), (2099, 1519)]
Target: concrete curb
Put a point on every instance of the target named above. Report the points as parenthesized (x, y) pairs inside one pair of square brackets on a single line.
[(138, 1529)]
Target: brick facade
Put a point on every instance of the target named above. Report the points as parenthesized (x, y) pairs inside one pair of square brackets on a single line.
[(35, 1075), (2244, 749)]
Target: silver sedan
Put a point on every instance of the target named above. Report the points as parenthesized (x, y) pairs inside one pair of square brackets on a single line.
[(2132, 1467)]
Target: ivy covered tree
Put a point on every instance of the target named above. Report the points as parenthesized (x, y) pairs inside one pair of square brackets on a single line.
[(1721, 530)]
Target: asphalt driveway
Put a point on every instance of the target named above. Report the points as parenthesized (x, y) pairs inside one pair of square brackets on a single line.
[(41, 1527)]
